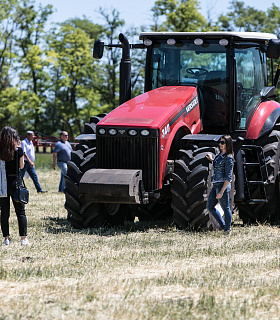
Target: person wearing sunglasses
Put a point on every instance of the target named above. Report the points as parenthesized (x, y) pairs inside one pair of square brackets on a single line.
[(221, 179)]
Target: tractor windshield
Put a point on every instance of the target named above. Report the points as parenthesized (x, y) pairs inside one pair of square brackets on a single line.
[(251, 71), (198, 62), (186, 62)]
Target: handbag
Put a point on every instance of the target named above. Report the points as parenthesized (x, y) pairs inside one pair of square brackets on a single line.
[(21, 194)]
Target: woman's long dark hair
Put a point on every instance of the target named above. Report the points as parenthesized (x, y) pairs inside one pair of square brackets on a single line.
[(8, 143), (229, 146)]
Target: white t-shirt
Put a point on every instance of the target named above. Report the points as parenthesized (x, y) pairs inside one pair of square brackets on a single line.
[(28, 148)]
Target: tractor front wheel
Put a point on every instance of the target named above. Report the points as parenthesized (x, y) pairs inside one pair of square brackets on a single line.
[(81, 213), (191, 185)]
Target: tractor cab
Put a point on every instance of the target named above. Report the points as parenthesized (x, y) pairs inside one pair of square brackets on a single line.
[(228, 69)]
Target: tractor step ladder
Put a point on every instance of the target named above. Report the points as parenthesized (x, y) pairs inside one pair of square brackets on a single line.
[(255, 173)]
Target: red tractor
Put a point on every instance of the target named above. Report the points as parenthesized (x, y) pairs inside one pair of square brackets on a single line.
[(147, 159)]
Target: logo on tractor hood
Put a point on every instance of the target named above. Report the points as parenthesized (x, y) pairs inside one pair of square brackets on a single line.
[(187, 109), (191, 105)]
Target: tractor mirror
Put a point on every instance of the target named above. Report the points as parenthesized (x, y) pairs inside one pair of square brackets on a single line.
[(273, 49), (98, 49)]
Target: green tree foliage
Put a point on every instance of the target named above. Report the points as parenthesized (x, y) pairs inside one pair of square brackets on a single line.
[(18, 108), (9, 18), (108, 68), (273, 20), (30, 55), (91, 29), (108, 82), (248, 19), (180, 15), (21, 61), (72, 71)]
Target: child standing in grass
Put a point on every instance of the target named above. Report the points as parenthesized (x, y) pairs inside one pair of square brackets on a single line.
[(10, 151), (222, 166)]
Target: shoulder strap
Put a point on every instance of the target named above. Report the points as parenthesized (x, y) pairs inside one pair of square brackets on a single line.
[(17, 168), (18, 172)]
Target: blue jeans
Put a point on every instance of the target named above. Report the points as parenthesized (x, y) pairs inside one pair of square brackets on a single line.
[(224, 203), (63, 167), (32, 173)]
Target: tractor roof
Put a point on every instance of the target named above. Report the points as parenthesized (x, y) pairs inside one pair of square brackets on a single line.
[(257, 36)]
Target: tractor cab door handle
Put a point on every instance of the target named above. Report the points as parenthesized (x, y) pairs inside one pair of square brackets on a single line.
[(238, 117)]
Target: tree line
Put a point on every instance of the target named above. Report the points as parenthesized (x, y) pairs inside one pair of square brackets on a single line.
[(48, 78)]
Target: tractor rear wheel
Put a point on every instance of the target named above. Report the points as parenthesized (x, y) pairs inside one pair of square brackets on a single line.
[(266, 211), (191, 185)]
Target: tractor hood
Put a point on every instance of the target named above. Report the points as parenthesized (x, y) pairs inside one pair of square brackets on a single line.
[(151, 109)]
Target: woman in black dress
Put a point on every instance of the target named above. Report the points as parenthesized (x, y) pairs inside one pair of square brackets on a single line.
[(10, 151)]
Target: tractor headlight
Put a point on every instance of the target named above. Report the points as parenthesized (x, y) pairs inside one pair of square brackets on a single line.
[(198, 42), (132, 132), (148, 42), (223, 42), (102, 131), (112, 132), (171, 42), (145, 132)]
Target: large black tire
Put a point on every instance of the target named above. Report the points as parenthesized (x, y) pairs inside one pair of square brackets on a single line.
[(83, 214), (191, 185), (266, 211)]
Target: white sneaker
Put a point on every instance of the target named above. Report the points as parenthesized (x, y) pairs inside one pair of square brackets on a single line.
[(7, 242), (24, 242)]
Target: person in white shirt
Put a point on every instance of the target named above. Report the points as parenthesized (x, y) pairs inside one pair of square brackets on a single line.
[(29, 159)]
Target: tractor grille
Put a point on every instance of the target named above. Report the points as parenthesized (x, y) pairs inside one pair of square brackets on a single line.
[(127, 152)]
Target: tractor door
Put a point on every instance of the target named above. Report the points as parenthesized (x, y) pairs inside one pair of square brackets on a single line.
[(251, 77), (214, 86)]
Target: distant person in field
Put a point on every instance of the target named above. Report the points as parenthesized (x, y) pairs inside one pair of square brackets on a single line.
[(11, 155), (222, 176), (61, 155), (29, 160)]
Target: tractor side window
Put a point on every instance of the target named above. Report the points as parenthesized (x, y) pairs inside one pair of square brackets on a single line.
[(166, 67), (251, 78)]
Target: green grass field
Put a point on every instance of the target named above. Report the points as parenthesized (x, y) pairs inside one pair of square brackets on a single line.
[(140, 271), (43, 160)]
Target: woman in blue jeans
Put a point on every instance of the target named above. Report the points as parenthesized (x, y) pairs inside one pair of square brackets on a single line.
[(222, 175)]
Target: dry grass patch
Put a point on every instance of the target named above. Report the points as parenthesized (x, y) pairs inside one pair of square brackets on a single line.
[(140, 271)]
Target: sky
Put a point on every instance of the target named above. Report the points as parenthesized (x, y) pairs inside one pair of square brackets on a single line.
[(136, 13)]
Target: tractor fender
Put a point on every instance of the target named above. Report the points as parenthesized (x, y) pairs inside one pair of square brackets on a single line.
[(263, 119), (179, 125)]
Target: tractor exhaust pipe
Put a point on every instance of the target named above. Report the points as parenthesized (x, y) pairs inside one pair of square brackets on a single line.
[(125, 71)]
